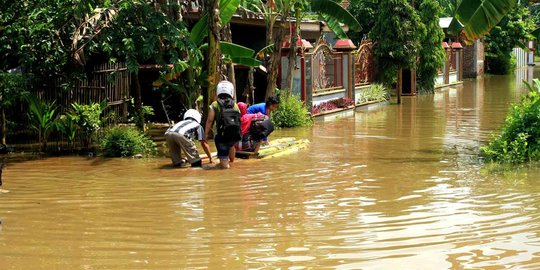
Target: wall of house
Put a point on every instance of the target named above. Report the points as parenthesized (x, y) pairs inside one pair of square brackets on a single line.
[(320, 98), (473, 60)]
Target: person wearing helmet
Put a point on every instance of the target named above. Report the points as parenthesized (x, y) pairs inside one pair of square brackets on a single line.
[(180, 138), (221, 109)]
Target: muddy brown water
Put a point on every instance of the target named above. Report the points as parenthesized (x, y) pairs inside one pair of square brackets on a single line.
[(398, 187)]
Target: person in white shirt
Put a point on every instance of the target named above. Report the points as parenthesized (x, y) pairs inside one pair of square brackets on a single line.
[(180, 138)]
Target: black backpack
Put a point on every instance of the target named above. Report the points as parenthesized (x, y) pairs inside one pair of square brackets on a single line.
[(228, 125), (260, 129)]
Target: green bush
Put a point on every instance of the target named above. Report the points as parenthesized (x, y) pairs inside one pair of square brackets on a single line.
[(88, 120), (376, 92), (500, 64), (125, 141), (519, 140), (291, 112), (42, 117)]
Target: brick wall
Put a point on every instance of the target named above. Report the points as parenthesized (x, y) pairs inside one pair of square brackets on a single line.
[(473, 60), (480, 58), (469, 63)]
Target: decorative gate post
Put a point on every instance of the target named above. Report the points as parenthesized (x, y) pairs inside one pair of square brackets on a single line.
[(302, 46), (447, 63), (458, 54), (346, 47)]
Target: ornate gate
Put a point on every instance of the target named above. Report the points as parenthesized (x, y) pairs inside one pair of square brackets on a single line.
[(364, 69)]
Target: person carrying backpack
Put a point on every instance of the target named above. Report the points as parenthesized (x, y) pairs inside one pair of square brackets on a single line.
[(226, 114)]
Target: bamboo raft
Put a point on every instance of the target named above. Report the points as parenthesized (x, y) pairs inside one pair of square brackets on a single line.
[(277, 148)]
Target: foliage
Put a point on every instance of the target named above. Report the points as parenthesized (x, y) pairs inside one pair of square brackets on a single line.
[(34, 34), (42, 116), (66, 126), (448, 7), (500, 64), (140, 33), (126, 141), (12, 88), (375, 92), (291, 112), (475, 18), (332, 105), (519, 140), (142, 114), (432, 54), (365, 12), (88, 119), (334, 14), (509, 33), (397, 33)]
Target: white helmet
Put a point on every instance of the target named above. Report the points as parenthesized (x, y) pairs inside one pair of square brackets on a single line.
[(193, 114), (225, 87)]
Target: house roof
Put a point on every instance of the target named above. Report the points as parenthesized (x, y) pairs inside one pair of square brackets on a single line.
[(248, 17), (444, 22)]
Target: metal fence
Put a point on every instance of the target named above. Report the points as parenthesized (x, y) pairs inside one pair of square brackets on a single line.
[(326, 69), (364, 68)]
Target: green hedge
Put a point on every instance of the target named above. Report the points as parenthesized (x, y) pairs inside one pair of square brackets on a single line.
[(291, 112), (126, 141), (519, 140)]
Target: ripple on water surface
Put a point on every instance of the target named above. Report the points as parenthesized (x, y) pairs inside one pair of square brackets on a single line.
[(399, 187)]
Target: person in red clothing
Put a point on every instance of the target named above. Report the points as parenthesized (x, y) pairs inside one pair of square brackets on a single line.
[(250, 124)]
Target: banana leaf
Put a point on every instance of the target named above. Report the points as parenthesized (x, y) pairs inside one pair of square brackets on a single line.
[(478, 17), (227, 8), (336, 11), (237, 54)]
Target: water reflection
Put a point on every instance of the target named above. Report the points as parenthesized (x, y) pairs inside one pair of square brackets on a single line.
[(400, 187)]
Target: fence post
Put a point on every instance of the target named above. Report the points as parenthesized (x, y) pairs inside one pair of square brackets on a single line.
[(346, 46)]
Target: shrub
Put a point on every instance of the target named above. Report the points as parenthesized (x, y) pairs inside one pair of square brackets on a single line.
[(42, 116), (500, 64), (519, 140), (125, 141), (376, 92), (88, 119), (291, 112), (332, 105)]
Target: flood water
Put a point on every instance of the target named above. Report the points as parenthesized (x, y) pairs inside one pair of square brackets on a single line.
[(398, 187)]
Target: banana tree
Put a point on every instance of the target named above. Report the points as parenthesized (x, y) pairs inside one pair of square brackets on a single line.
[(209, 26), (475, 18)]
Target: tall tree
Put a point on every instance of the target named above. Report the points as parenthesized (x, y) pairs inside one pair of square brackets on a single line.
[(397, 33), (511, 32), (431, 53)]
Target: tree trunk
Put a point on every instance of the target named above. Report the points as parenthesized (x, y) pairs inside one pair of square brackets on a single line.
[(226, 35), (138, 102), (214, 53), (274, 61), (292, 61), (3, 126), (251, 87)]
